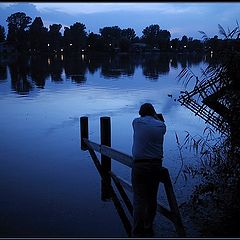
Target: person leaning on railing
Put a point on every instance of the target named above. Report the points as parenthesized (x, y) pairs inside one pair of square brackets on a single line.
[(147, 150)]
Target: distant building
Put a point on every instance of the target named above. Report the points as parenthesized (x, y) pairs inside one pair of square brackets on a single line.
[(140, 47)]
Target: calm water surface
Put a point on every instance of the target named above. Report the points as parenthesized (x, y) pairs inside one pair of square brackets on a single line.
[(49, 187)]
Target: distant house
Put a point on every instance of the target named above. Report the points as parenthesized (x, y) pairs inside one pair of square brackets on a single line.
[(6, 49), (140, 47)]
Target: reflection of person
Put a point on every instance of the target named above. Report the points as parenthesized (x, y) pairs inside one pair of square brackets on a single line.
[(147, 152)]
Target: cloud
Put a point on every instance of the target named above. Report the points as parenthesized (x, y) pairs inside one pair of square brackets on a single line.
[(179, 18), (90, 8)]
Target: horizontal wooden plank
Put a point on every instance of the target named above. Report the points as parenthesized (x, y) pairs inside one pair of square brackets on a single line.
[(125, 184), (93, 145), (167, 213), (122, 192), (112, 153)]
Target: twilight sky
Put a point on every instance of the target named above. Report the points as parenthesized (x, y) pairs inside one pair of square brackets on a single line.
[(180, 18)]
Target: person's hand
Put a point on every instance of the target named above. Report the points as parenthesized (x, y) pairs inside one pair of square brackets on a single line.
[(160, 117)]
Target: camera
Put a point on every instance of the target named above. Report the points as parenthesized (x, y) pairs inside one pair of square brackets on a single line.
[(160, 117)]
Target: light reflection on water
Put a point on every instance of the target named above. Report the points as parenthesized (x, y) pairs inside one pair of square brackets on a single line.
[(48, 185)]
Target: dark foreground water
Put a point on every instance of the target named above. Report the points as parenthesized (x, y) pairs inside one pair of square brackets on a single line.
[(48, 186)]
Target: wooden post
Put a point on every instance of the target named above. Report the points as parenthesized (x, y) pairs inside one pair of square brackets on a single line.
[(105, 128), (83, 132), (173, 204)]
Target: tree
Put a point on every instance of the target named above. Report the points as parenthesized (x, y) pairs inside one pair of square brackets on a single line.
[(175, 43), (195, 45), (54, 37), (18, 23), (38, 35), (151, 35), (128, 33), (111, 36), (156, 37), (164, 39), (75, 36), (184, 42), (95, 42), (2, 34)]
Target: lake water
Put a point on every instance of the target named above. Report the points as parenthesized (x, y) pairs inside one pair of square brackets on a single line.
[(48, 185)]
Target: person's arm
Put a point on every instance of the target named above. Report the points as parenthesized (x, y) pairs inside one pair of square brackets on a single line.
[(159, 116)]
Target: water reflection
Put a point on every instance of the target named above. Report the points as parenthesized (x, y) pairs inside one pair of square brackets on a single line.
[(28, 72), (154, 66), (19, 72), (75, 68), (39, 70), (3, 72), (56, 69)]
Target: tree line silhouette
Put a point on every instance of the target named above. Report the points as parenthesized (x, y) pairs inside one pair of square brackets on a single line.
[(31, 36)]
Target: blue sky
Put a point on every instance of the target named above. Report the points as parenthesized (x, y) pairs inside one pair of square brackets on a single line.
[(180, 18)]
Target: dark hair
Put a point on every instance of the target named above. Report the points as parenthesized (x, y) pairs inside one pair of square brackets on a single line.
[(147, 109)]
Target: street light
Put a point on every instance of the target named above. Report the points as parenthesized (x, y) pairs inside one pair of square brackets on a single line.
[(70, 44), (48, 45)]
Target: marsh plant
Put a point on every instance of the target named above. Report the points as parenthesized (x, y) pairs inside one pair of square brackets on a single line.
[(217, 198)]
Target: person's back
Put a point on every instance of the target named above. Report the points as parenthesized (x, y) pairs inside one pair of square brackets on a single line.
[(147, 152), (148, 138)]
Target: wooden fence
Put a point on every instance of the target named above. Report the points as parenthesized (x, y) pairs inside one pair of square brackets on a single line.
[(104, 169), (206, 91)]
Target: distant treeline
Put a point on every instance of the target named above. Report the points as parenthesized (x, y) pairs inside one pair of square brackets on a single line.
[(25, 35)]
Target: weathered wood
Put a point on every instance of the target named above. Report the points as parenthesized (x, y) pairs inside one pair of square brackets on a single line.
[(173, 204), (105, 133), (125, 184), (122, 193), (209, 90), (113, 195), (112, 153), (165, 212), (83, 132), (105, 129), (126, 223)]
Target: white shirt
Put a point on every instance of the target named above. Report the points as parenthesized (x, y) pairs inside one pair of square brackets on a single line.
[(148, 138)]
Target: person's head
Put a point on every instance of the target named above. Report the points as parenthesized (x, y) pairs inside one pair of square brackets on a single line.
[(147, 109)]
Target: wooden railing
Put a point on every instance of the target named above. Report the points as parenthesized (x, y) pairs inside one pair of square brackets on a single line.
[(104, 169)]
